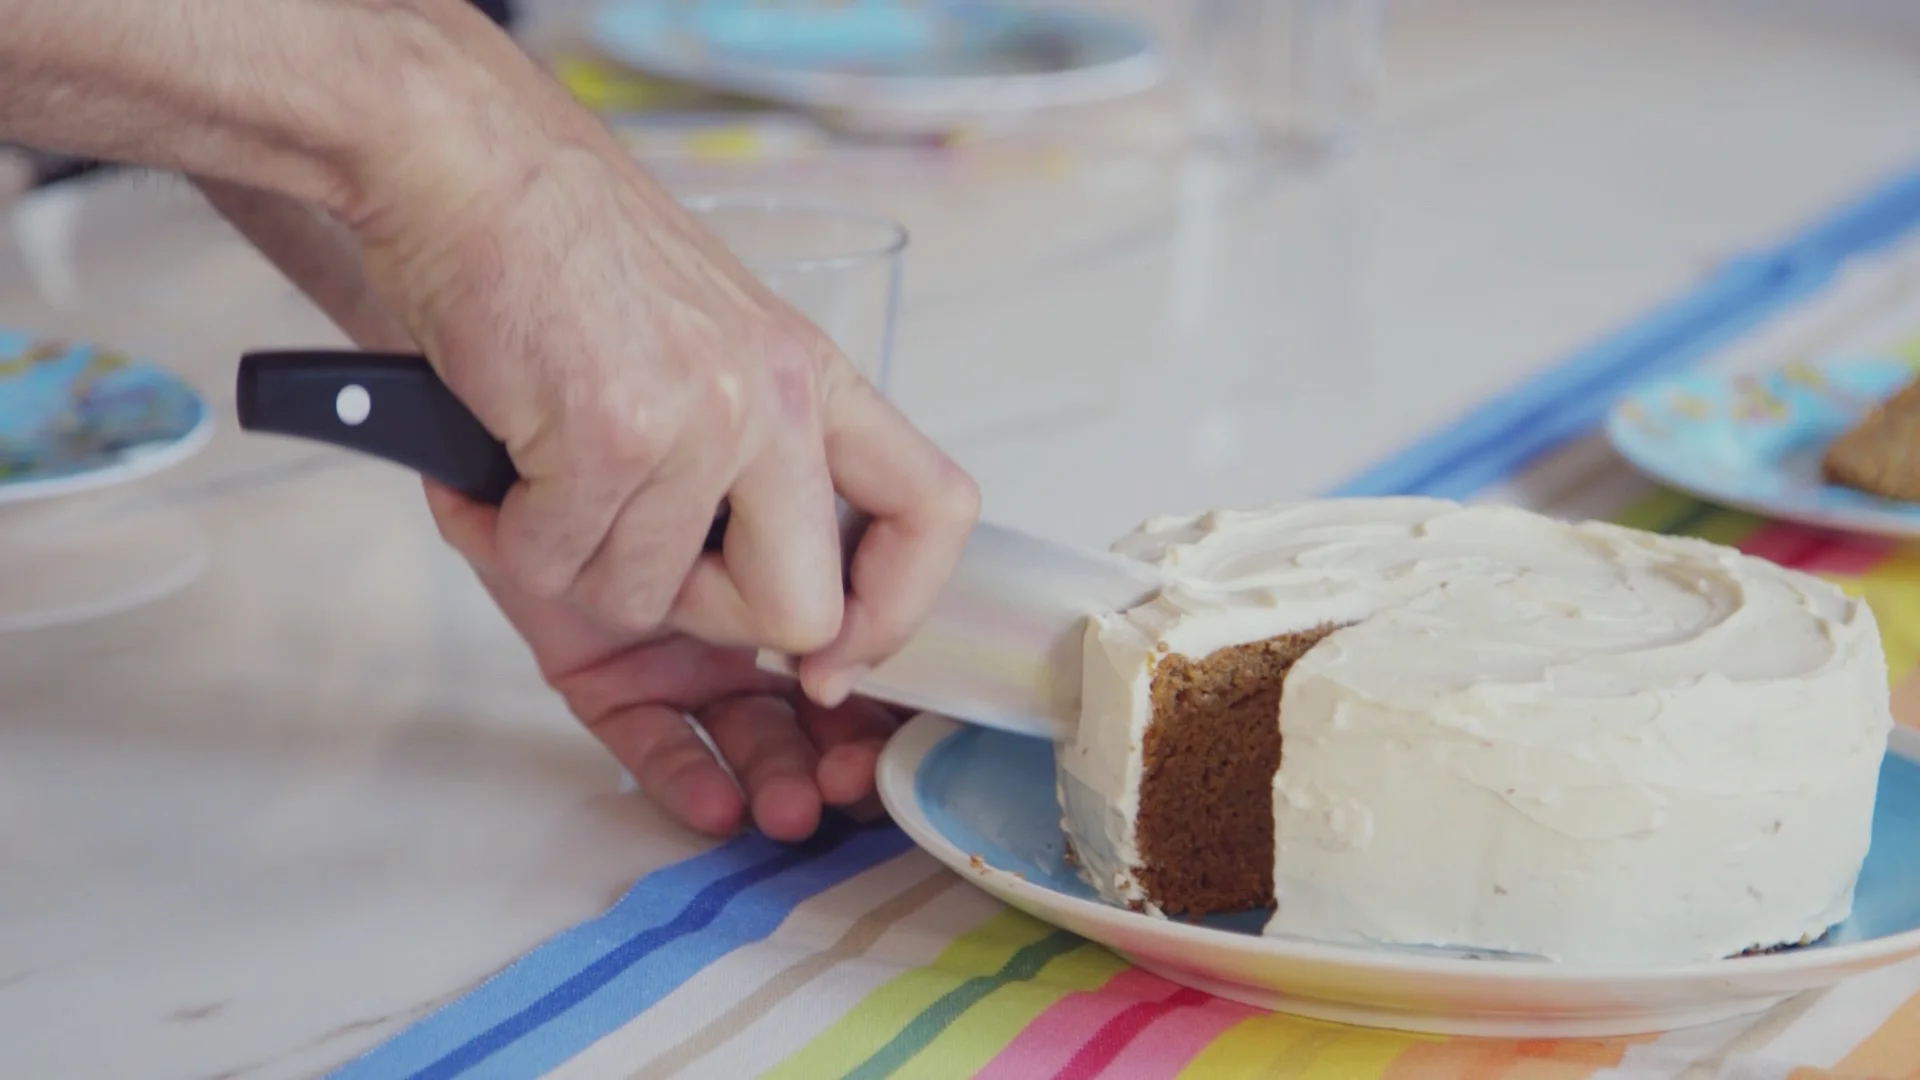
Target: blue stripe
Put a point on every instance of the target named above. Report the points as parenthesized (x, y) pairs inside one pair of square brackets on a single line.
[(754, 916), (653, 937), (1511, 431)]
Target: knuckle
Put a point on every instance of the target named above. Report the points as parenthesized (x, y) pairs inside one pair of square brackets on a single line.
[(540, 578), (642, 605), (957, 495), (721, 404), (801, 629), (796, 356), (532, 571), (625, 430)]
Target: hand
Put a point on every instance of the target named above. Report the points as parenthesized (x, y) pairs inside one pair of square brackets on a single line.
[(632, 690), (639, 376), (792, 757)]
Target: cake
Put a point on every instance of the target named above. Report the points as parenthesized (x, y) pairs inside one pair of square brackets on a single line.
[(1881, 454), (1411, 722)]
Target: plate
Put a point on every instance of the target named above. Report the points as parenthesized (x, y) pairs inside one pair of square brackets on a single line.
[(76, 417), (982, 802), (881, 62), (1753, 441)]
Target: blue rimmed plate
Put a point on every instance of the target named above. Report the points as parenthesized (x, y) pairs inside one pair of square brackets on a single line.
[(1753, 441), (883, 63), (77, 417), (983, 803)]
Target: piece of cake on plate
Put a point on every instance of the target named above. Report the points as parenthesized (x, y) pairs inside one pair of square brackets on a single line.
[(1411, 722), (1881, 454)]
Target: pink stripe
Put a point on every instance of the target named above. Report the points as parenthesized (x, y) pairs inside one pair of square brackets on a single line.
[(1117, 1034), (1781, 543), (1817, 551), (1171, 1044), (1049, 1042), (1853, 556)]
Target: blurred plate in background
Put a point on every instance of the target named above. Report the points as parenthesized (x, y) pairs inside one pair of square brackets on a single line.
[(882, 65), (76, 417), (1754, 441)]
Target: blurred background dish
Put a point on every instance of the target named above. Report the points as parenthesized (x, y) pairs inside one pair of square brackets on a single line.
[(881, 66), (75, 417)]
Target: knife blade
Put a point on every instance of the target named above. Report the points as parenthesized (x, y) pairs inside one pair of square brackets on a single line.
[(1001, 646)]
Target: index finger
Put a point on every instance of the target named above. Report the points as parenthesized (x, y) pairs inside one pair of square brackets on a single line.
[(922, 505)]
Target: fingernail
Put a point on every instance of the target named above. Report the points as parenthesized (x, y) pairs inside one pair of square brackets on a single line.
[(840, 687)]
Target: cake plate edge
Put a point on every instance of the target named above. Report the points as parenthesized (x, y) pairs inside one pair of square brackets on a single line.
[(1385, 988)]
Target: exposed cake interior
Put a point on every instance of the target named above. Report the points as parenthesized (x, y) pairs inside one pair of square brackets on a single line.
[(1205, 827)]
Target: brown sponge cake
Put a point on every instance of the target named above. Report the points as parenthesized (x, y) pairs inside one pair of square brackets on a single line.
[(1214, 744)]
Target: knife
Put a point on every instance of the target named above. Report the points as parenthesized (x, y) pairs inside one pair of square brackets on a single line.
[(1001, 647)]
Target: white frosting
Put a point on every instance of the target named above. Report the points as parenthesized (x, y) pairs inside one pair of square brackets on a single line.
[(1590, 743)]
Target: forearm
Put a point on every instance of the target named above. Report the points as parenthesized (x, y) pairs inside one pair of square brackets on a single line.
[(317, 254), (308, 98)]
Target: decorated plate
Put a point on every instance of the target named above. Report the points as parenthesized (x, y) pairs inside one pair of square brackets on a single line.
[(982, 802), (1754, 441), (75, 417), (913, 65)]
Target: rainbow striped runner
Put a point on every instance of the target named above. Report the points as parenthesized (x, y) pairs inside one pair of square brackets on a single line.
[(856, 955)]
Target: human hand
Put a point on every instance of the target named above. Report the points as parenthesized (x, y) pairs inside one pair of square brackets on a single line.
[(791, 756), (639, 376)]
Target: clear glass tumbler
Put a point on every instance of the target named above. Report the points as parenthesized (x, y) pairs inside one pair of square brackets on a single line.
[(1282, 75), (838, 266)]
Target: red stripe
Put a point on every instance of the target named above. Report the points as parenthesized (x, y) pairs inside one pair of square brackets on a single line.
[(1788, 545), (1106, 1044), (1818, 551)]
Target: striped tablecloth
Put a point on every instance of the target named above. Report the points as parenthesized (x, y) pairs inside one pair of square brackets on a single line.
[(857, 955)]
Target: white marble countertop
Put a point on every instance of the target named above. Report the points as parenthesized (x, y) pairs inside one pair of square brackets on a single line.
[(253, 826)]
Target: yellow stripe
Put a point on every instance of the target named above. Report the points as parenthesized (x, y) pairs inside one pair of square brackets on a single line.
[(1249, 1049), (1909, 351), (1362, 1055), (966, 1046), (1893, 592), (880, 1016)]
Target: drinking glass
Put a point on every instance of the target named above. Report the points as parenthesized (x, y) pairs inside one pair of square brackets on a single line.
[(838, 266), (1285, 75)]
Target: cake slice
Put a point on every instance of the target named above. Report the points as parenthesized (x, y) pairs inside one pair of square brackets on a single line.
[(1881, 454)]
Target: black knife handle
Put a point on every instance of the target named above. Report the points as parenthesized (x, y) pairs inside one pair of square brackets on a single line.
[(390, 405)]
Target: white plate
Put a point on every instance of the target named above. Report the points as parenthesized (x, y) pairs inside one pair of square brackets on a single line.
[(885, 65), (982, 802)]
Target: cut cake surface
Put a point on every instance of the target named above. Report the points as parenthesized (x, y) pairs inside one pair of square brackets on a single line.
[(1206, 795)]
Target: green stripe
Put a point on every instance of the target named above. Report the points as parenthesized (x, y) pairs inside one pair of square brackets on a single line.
[(1689, 520), (1670, 512), (924, 1028)]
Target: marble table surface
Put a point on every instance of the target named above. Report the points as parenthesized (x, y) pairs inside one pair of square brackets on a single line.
[(302, 784)]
